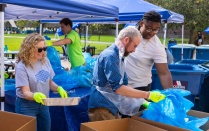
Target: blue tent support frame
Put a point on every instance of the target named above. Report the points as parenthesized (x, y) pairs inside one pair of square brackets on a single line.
[(134, 14)]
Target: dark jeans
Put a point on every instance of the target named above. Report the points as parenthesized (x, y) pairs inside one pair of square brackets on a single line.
[(144, 88), (100, 114), (32, 108)]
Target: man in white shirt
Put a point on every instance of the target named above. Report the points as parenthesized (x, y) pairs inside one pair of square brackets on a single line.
[(150, 51)]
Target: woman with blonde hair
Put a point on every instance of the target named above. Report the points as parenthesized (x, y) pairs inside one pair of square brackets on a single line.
[(33, 77)]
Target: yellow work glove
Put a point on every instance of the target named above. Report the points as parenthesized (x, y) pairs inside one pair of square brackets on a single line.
[(48, 43), (38, 97), (146, 104), (156, 96), (62, 92), (6, 75)]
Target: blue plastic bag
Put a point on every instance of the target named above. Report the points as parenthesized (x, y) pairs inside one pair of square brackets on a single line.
[(90, 61), (77, 77), (82, 75), (53, 57), (173, 110), (62, 77)]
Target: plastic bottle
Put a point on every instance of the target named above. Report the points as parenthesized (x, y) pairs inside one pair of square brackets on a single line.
[(6, 48)]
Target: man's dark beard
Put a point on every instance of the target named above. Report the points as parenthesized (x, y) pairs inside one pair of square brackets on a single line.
[(127, 53)]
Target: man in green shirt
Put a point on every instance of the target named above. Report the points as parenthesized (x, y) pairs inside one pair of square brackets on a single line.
[(73, 43)]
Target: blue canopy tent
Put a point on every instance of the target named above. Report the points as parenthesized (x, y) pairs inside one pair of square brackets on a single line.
[(206, 30), (47, 9), (131, 11), (130, 24), (56, 9)]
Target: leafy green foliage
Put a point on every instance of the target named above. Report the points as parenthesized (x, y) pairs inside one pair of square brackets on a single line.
[(195, 13), (25, 23)]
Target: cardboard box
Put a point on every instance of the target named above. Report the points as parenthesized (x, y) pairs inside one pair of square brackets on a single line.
[(16, 122), (71, 101), (173, 128), (160, 125), (200, 114), (126, 124)]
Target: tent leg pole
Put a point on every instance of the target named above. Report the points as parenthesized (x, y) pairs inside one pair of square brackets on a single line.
[(182, 50), (165, 32), (116, 32), (2, 97), (40, 31), (86, 40)]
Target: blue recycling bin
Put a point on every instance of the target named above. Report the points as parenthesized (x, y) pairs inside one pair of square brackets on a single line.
[(201, 104), (204, 93), (187, 51), (202, 52), (47, 38), (171, 42), (191, 61), (190, 76), (59, 32)]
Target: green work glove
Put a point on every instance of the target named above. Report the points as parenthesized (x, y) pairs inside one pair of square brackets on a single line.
[(156, 96), (38, 97), (6, 75), (146, 104), (62, 92), (48, 43)]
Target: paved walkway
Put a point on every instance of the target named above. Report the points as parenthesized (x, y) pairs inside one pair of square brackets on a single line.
[(15, 36), (96, 42)]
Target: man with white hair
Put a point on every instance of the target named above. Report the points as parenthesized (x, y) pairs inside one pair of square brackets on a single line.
[(111, 92)]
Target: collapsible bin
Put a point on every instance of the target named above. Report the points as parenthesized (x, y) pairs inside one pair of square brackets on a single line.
[(187, 51), (91, 50), (202, 52)]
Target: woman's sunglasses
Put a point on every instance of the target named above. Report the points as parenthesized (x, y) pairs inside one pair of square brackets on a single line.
[(42, 49)]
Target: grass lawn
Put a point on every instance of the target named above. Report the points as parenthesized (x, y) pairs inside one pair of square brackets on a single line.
[(13, 41)]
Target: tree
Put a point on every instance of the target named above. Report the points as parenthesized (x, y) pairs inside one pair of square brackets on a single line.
[(21, 24), (25, 23), (195, 13)]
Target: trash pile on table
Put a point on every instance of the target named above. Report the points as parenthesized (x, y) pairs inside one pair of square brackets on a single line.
[(75, 78)]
